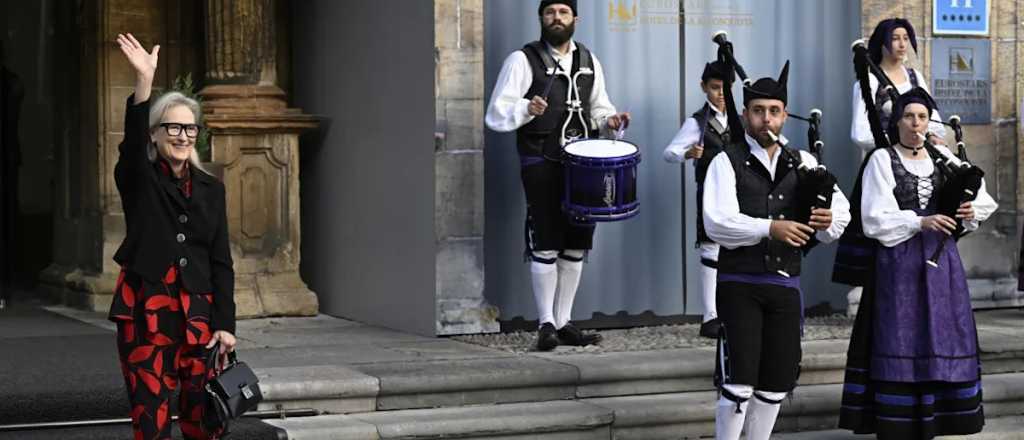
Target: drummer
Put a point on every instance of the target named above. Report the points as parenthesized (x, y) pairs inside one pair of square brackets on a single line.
[(702, 136), (531, 97)]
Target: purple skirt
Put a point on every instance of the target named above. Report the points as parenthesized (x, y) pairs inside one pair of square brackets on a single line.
[(923, 325)]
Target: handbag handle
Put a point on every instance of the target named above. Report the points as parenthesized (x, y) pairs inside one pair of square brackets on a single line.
[(213, 356)]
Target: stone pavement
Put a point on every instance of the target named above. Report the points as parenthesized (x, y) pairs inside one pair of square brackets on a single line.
[(375, 383)]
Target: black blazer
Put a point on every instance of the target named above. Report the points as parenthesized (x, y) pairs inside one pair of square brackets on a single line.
[(164, 227)]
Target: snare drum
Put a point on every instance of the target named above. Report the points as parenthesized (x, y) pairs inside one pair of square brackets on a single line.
[(600, 180)]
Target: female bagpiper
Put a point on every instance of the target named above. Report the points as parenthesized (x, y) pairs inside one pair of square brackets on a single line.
[(175, 296), (913, 370)]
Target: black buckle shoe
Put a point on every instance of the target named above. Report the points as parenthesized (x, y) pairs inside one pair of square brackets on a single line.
[(547, 338), (710, 329), (570, 335)]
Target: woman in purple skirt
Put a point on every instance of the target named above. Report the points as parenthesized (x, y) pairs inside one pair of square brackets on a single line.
[(913, 370)]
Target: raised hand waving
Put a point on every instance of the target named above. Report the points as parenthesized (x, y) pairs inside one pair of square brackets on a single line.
[(143, 62)]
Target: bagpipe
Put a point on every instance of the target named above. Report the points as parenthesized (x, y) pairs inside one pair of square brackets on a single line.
[(962, 184), (816, 184), (855, 256), (962, 180), (862, 67)]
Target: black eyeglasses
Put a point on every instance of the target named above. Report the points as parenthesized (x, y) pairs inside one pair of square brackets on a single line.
[(174, 129)]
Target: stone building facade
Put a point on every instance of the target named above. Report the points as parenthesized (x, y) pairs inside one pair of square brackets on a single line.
[(240, 51)]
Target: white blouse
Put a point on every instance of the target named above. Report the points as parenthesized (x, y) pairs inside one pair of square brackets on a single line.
[(882, 217), (860, 130)]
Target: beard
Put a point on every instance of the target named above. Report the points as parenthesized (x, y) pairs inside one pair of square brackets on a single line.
[(556, 37)]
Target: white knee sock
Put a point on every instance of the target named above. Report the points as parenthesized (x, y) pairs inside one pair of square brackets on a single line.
[(730, 414), (708, 279), (570, 267), (761, 415), (544, 276)]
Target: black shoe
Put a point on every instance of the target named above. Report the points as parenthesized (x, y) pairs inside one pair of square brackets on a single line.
[(710, 329), (546, 337), (570, 335)]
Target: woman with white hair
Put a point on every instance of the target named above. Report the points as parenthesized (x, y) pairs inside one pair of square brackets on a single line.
[(174, 299)]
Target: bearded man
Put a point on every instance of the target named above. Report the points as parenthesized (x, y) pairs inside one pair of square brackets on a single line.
[(537, 90)]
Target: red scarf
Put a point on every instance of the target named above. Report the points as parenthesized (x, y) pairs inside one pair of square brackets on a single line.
[(184, 183)]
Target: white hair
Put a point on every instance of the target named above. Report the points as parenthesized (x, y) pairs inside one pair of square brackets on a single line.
[(156, 114)]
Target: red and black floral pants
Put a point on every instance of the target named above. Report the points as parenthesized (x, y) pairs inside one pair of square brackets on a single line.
[(162, 331)]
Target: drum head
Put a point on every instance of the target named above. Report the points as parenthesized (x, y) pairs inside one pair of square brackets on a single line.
[(601, 148)]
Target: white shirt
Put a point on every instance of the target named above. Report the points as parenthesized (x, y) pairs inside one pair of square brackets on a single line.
[(727, 226), (860, 130), (881, 214), (507, 110), (690, 135)]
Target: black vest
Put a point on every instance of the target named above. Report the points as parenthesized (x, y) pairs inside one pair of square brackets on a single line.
[(905, 192), (715, 139), (541, 136), (760, 197)]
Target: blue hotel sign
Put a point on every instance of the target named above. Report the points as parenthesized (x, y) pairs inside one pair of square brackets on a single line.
[(960, 17)]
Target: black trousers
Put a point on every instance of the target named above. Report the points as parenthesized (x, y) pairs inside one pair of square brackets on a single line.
[(547, 226), (761, 338)]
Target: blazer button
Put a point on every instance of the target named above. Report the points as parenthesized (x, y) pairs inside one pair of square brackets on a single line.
[(770, 197), (782, 196), (782, 216), (778, 259), (183, 262), (183, 219), (180, 237)]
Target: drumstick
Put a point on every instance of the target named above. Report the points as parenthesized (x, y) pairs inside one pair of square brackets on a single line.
[(704, 125), (551, 81), (622, 128)]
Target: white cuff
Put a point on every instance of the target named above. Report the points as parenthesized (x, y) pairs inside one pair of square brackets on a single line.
[(972, 224), (764, 227), (523, 109)]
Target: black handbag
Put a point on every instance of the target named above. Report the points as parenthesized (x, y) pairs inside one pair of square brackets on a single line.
[(233, 391)]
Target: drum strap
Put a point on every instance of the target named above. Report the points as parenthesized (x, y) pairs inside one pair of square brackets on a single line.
[(541, 52), (539, 49), (584, 54)]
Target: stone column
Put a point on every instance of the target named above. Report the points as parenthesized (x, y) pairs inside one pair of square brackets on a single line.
[(459, 169), (255, 148)]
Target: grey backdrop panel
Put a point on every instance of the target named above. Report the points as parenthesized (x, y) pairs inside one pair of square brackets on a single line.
[(638, 265), (368, 173)]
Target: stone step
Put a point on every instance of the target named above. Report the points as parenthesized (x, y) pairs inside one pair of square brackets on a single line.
[(541, 377), (555, 420), (996, 428), (509, 379), (812, 409)]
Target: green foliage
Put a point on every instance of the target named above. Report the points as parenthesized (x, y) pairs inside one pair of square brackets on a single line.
[(184, 85)]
